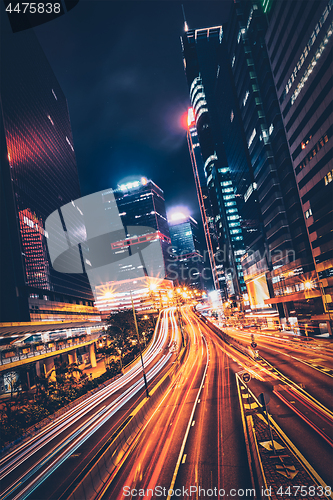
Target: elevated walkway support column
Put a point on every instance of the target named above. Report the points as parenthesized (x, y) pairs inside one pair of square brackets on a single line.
[(92, 355), (72, 357)]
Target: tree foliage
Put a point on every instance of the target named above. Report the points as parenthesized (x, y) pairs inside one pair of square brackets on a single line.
[(121, 330)]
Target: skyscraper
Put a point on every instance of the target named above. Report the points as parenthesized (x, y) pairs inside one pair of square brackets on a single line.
[(140, 206), (38, 176), (189, 262), (243, 138), (201, 61), (206, 210), (299, 44)]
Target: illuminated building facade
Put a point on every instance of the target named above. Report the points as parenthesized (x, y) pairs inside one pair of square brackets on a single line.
[(147, 294), (233, 79), (189, 262), (258, 158), (205, 205), (34, 250), (38, 176), (201, 61), (141, 203), (299, 44), (184, 233)]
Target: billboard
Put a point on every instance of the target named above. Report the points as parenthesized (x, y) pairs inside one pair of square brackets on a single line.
[(257, 290)]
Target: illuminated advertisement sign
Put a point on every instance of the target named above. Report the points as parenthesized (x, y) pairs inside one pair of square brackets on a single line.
[(258, 292)]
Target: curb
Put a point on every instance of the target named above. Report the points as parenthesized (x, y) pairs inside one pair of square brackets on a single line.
[(275, 472)]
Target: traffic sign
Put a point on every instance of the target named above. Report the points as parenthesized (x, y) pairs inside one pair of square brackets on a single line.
[(246, 377), (264, 399), (254, 345)]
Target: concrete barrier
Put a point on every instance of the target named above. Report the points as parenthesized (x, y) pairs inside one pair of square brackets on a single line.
[(103, 469)]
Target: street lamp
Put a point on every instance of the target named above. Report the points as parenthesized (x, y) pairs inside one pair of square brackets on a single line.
[(308, 285), (326, 308), (137, 333)]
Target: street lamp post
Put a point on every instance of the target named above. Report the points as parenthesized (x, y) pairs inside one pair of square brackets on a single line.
[(137, 333), (326, 308)]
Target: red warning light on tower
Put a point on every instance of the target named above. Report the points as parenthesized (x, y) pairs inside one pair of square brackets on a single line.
[(187, 119)]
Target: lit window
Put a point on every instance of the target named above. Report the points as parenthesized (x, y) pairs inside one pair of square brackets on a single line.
[(247, 93), (69, 142), (201, 111), (312, 64), (307, 48), (252, 137), (328, 178), (249, 19)]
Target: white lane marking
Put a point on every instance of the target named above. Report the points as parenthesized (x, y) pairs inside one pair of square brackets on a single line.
[(184, 458), (188, 427)]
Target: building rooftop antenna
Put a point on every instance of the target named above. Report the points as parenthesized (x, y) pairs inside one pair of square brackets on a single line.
[(185, 23)]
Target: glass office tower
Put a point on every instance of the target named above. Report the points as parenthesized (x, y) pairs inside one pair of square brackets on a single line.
[(206, 210), (38, 176), (141, 203), (299, 45), (189, 261), (201, 61), (136, 272)]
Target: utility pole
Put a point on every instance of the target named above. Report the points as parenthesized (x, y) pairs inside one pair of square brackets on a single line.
[(137, 333)]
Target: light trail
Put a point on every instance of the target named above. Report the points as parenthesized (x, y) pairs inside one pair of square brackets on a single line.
[(85, 430)]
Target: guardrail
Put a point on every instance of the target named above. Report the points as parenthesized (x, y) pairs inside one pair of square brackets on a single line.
[(35, 428), (20, 356)]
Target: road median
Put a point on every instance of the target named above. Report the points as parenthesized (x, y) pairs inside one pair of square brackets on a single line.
[(278, 468)]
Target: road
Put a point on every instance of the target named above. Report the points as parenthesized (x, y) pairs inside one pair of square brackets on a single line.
[(297, 376), (46, 464), (194, 438), (191, 436)]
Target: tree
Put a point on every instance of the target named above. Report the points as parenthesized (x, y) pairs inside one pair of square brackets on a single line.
[(146, 327), (121, 331), (12, 382), (72, 369)]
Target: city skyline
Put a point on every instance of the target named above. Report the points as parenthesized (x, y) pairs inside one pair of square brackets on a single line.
[(166, 249)]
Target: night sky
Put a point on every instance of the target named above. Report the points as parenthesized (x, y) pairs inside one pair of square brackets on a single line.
[(120, 66)]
